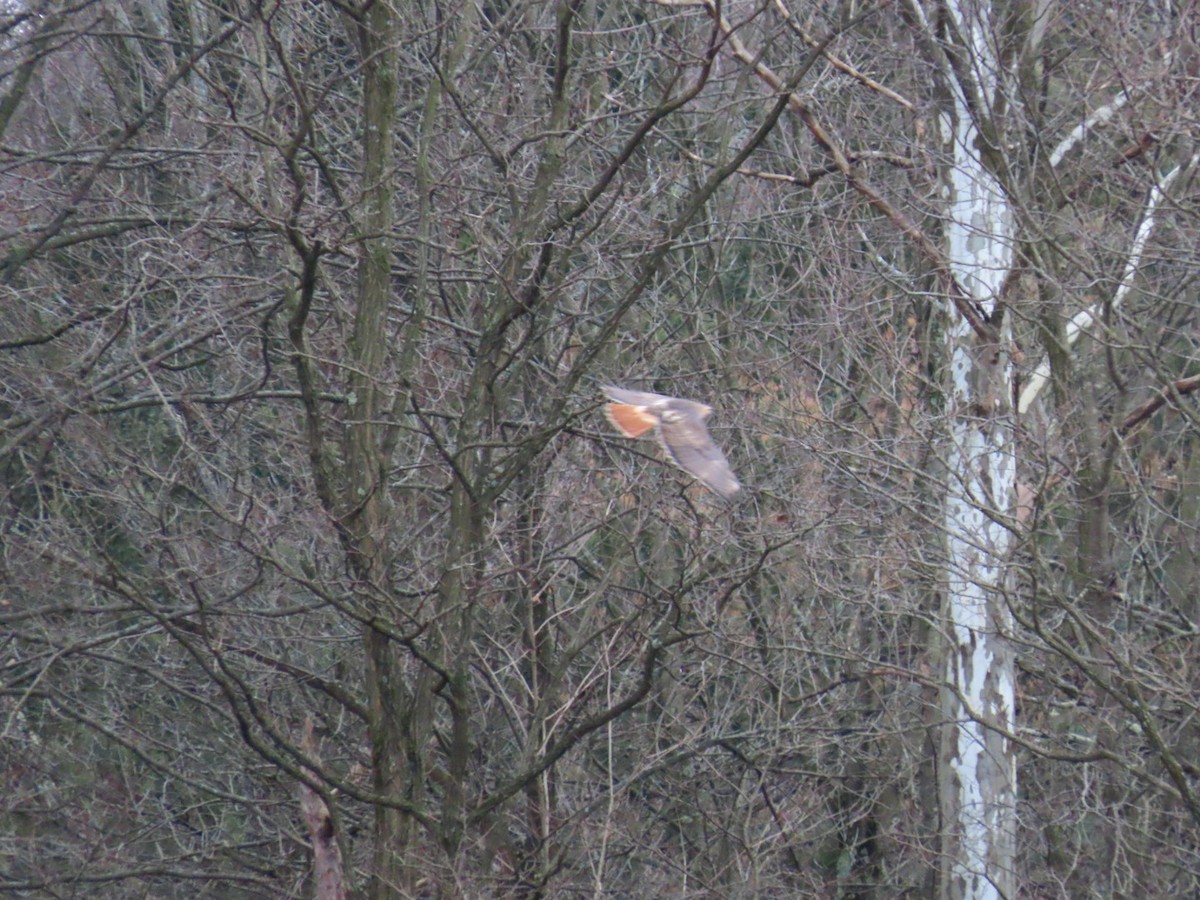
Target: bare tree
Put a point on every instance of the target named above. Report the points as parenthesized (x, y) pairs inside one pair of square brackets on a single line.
[(323, 574)]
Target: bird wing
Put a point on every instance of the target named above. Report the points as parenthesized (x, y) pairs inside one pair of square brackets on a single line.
[(635, 398), (655, 404), (679, 425), (687, 444)]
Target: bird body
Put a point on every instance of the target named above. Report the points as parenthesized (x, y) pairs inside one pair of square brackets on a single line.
[(679, 426)]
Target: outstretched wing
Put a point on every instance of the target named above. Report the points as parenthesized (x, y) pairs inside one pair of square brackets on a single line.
[(688, 445), (635, 398), (679, 425)]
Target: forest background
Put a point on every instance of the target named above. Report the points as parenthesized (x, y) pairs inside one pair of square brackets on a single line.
[(321, 573)]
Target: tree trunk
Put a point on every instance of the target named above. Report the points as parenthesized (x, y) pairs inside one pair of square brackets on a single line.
[(393, 719), (978, 763)]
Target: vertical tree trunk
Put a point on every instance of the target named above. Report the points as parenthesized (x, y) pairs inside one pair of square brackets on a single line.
[(978, 764), (391, 714), (329, 872)]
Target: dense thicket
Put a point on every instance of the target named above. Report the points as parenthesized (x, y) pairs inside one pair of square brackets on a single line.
[(305, 488)]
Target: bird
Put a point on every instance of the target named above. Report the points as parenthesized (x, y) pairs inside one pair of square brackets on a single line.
[(679, 425)]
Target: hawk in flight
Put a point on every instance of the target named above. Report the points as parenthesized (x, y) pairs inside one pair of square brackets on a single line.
[(679, 425)]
